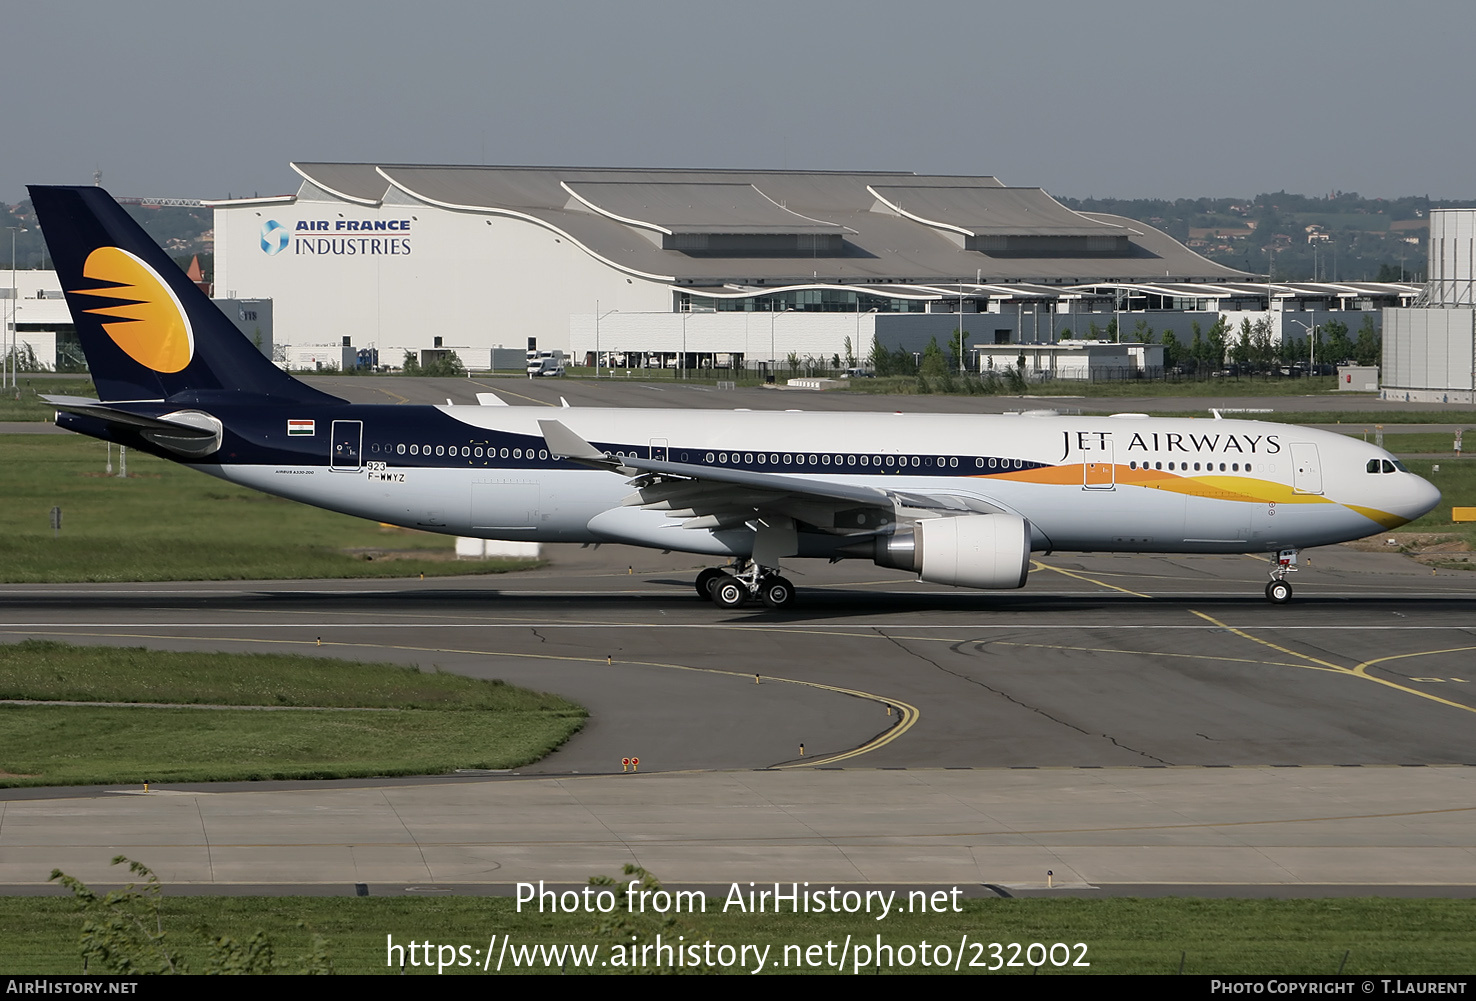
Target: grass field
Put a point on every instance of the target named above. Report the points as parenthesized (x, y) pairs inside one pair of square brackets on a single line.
[(1355, 421), (909, 385), (1457, 483), (24, 404), (311, 718), (1377, 936), (1408, 444), (168, 522)]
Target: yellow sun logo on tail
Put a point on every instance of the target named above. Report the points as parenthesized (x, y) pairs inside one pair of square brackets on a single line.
[(150, 325)]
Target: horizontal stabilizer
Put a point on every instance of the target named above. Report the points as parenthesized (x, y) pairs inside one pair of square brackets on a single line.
[(191, 433)]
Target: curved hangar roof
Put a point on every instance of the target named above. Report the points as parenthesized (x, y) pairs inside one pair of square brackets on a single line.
[(765, 227)]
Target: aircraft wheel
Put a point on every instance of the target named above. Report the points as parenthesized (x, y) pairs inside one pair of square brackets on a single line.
[(729, 593), (707, 580), (778, 593), (1279, 591)]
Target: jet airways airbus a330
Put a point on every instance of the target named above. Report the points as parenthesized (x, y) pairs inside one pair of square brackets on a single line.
[(956, 499)]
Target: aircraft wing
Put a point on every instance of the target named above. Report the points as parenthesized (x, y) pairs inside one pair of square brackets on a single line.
[(713, 498)]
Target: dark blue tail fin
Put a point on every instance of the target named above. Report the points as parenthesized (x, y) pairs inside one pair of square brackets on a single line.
[(148, 332)]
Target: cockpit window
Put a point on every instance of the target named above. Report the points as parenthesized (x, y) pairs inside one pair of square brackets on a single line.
[(1388, 466), (1373, 466), (1400, 466)]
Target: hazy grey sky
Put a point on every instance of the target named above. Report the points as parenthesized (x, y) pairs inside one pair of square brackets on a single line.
[(1136, 98)]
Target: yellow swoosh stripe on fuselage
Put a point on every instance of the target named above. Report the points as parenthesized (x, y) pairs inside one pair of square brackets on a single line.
[(1248, 490)]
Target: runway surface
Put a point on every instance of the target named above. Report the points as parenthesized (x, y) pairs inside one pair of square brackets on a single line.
[(1098, 661), (1083, 725)]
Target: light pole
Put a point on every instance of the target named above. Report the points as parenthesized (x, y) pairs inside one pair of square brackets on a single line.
[(774, 315), (1312, 339), (14, 292), (598, 317), (858, 325)]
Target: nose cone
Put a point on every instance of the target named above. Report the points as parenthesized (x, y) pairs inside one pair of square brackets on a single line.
[(1422, 497)]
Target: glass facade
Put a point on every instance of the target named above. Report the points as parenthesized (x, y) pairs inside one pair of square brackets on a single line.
[(805, 300)]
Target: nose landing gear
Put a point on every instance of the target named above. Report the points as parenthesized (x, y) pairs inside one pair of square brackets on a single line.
[(1283, 564), (734, 587)]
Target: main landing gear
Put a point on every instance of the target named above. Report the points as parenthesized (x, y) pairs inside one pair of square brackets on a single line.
[(1284, 563), (735, 586)]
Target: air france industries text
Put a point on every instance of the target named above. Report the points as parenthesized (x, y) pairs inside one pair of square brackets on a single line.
[(351, 246), (338, 237)]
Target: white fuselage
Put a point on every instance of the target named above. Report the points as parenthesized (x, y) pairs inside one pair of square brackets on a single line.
[(1122, 483)]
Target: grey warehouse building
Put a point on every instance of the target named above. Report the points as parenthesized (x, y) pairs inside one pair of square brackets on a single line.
[(1430, 349), (696, 268)]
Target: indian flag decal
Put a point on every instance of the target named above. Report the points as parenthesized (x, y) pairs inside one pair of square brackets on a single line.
[(300, 427)]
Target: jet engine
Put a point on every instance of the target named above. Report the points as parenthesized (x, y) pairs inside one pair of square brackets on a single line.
[(986, 551)]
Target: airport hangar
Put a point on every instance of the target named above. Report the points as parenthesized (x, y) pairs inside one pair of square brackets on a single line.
[(704, 268), (1430, 350)]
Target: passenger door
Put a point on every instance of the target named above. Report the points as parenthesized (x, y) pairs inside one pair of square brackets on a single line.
[(347, 444), (1098, 470), (1306, 469)]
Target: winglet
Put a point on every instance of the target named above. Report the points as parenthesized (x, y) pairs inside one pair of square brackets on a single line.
[(567, 445)]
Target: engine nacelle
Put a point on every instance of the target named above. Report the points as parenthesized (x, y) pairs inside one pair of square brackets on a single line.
[(987, 551)]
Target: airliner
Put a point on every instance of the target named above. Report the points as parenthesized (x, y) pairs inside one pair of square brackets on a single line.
[(961, 500)]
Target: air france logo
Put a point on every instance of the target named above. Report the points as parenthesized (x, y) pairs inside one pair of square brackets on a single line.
[(339, 238), (146, 320), (274, 237)]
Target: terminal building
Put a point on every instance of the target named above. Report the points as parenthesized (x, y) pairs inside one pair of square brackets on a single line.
[(712, 268)]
